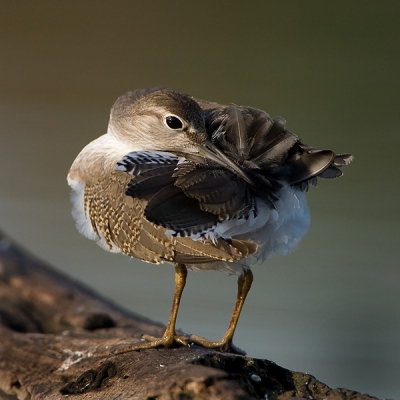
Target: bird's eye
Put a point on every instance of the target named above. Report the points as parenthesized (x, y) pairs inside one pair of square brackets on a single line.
[(173, 122)]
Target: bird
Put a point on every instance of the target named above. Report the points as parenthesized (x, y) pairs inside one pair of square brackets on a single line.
[(196, 184)]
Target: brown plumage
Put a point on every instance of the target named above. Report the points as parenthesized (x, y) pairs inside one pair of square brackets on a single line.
[(198, 184)]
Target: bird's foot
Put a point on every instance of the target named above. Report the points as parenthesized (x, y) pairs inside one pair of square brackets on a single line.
[(224, 345), (151, 342)]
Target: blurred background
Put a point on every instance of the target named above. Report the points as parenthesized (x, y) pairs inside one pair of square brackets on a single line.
[(331, 69)]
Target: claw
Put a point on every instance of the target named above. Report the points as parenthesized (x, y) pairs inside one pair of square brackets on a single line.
[(150, 342), (225, 346)]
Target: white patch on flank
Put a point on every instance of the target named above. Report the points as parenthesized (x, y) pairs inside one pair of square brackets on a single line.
[(287, 224), (275, 231), (81, 216), (83, 223)]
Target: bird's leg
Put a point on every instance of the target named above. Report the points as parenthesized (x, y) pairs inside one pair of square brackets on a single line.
[(225, 344), (170, 338)]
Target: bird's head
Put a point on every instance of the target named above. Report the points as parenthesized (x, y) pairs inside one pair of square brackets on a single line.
[(166, 120), (158, 120)]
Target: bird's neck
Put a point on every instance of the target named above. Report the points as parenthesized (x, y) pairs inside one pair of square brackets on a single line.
[(97, 159)]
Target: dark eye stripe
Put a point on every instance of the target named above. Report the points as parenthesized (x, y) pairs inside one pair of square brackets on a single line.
[(173, 122)]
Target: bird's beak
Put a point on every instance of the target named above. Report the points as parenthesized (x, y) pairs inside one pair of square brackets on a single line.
[(209, 151)]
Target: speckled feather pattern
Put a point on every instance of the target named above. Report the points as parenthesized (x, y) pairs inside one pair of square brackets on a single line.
[(119, 221)]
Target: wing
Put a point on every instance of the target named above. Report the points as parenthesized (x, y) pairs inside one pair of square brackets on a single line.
[(152, 188), (167, 204), (119, 222)]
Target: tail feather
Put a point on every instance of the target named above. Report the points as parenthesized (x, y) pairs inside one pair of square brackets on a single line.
[(263, 146)]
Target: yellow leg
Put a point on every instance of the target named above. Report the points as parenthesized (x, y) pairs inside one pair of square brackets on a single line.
[(170, 338), (225, 344)]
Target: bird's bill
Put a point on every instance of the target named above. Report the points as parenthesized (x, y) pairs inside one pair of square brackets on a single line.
[(211, 152)]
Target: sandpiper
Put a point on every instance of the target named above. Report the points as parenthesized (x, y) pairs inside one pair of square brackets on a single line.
[(201, 185)]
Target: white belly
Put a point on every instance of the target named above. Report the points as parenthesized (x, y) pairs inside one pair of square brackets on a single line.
[(286, 225), (275, 231)]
